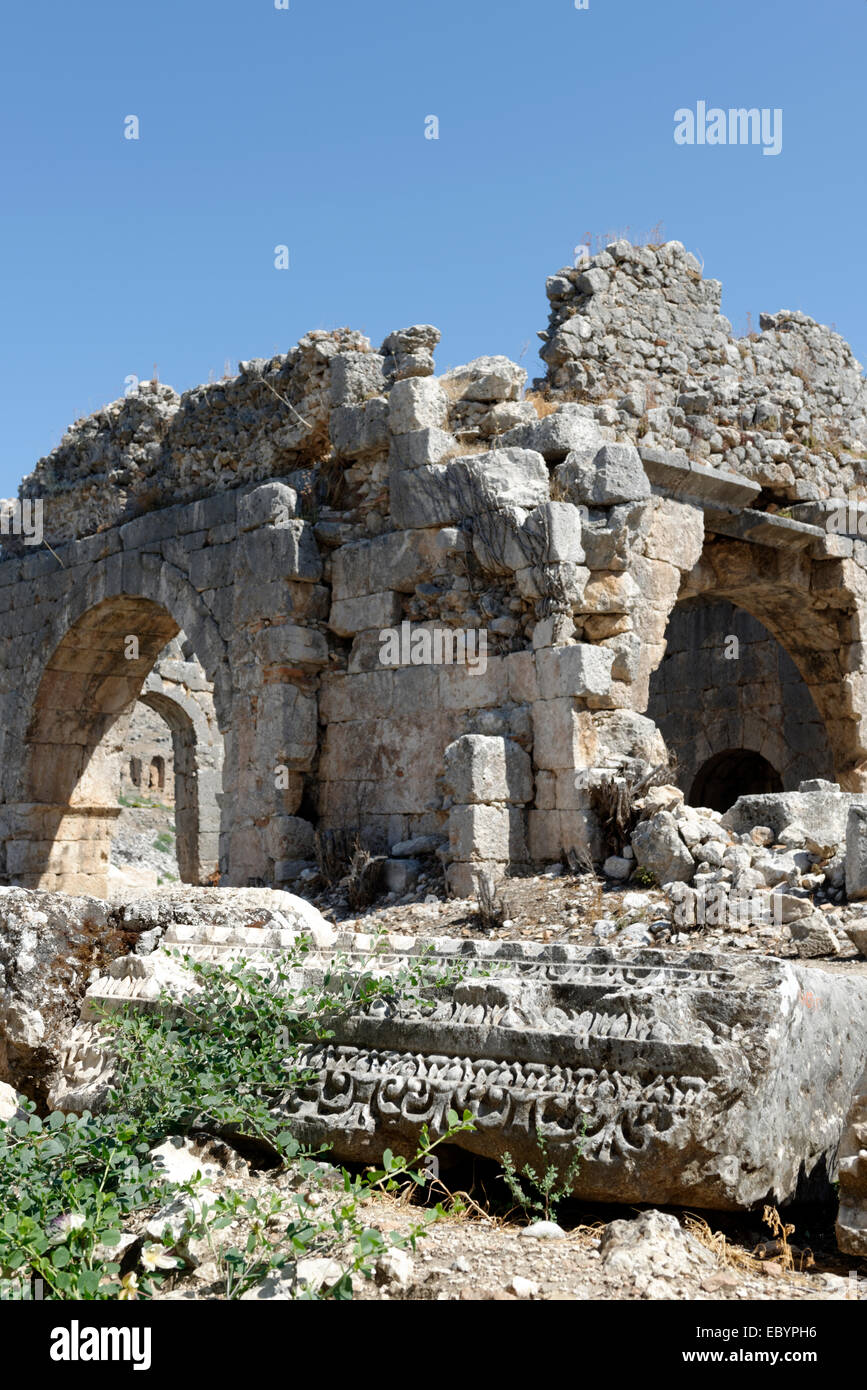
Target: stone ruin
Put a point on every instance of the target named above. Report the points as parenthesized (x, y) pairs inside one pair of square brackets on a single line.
[(444, 613), (691, 1077), (340, 538)]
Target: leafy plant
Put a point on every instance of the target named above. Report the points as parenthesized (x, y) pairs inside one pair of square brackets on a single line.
[(221, 1059), (539, 1197)]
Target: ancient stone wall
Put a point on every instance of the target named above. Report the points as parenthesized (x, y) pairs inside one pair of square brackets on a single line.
[(418, 606), (638, 329)]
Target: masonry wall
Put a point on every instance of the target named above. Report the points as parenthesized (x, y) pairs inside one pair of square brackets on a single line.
[(331, 497)]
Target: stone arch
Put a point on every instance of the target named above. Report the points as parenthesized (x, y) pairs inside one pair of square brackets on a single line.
[(732, 773), (815, 609), (727, 686), (198, 764), (86, 692)]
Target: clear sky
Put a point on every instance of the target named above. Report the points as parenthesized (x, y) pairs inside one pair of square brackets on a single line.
[(305, 126)]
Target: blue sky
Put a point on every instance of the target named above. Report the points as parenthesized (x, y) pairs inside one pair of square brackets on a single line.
[(305, 127)]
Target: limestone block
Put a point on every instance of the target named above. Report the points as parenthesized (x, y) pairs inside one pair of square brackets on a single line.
[(485, 379), (822, 814), (417, 403), (478, 483), (351, 571), (273, 503), (284, 552), (615, 474), (546, 790), (856, 852), (610, 593), (554, 532), (563, 583), (500, 543), (728, 1123), (479, 686), (420, 447), (212, 568), (397, 759), (289, 645), (463, 879), (567, 430), (852, 1167), (576, 670), (286, 730), (415, 688), (360, 431), (660, 850), (423, 497), (483, 769), (559, 735), (622, 734), (365, 695), (355, 377), (523, 687), (290, 837), (401, 875), (556, 631), (352, 615), (487, 832), (543, 833), (628, 654), (676, 533)]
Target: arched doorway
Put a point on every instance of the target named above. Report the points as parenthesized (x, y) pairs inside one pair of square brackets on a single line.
[(733, 707), (730, 774), (75, 746)]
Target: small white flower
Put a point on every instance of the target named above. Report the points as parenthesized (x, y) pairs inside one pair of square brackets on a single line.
[(155, 1256), (61, 1226)]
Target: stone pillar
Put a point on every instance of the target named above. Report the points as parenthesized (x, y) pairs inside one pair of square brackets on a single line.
[(491, 780)]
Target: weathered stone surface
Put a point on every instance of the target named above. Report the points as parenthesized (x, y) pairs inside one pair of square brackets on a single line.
[(821, 814), (856, 851), (479, 768), (660, 850), (485, 379), (569, 429), (9, 1103), (417, 403), (576, 670), (852, 1160), (615, 474), (694, 1078)]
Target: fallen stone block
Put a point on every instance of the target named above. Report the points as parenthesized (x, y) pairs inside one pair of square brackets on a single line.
[(820, 812), (660, 850), (401, 875), (691, 1078)]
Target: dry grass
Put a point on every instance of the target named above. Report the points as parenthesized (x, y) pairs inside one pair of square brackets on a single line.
[(541, 404), (787, 1259)]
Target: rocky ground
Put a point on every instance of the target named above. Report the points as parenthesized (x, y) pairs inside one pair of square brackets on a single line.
[(489, 1254), (143, 850)]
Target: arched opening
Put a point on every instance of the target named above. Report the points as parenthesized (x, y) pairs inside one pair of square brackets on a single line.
[(733, 708), (78, 752), (730, 774)]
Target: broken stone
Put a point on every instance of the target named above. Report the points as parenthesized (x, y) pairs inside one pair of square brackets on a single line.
[(659, 849)]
